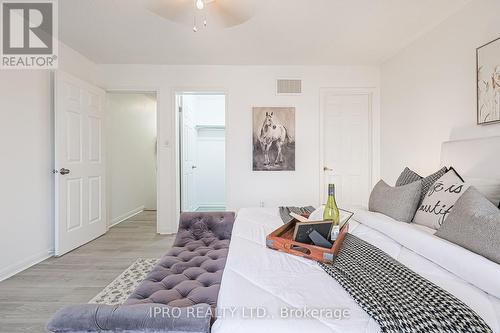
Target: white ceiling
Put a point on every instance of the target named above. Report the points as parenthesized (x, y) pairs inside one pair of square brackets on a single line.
[(282, 32)]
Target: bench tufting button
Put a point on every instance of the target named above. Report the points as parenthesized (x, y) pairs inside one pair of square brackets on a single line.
[(196, 255)]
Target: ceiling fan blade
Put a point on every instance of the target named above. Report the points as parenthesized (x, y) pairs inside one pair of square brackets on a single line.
[(180, 11), (230, 13), (219, 13)]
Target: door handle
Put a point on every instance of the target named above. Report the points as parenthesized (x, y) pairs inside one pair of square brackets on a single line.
[(193, 166), (64, 171), (327, 169)]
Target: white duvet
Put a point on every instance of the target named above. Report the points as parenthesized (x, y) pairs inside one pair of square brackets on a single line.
[(260, 287)]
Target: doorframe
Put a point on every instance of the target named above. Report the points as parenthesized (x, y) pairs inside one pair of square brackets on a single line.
[(142, 90), (177, 139), (373, 94)]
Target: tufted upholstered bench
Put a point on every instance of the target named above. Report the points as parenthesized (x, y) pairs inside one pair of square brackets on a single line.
[(178, 295), (191, 272)]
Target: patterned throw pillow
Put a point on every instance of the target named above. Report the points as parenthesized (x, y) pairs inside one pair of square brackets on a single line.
[(440, 199), (409, 176)]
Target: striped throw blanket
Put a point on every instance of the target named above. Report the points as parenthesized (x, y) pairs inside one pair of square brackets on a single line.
[(285, 212)]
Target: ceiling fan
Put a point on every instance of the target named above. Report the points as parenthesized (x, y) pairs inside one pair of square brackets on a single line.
[(220, 13)]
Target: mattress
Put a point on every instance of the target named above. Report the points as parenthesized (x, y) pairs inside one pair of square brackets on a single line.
[(267, 291)]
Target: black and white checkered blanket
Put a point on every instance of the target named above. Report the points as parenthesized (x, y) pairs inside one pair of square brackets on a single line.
[(397, 298)]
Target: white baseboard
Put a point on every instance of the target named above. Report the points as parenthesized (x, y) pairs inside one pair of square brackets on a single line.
[(211, 205), (164, 232), (126, 216), (13, 269)]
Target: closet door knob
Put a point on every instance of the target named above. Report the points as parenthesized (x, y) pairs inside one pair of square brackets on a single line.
[(64, 171)]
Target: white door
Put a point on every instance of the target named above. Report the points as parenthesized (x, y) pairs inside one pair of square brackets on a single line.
[(188, 151), (79, 163), (346, 145)]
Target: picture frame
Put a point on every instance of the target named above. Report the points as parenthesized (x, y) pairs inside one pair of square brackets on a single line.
[(488, 82), (273, 139)]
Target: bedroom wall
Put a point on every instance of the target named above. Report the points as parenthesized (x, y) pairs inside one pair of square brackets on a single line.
[(130, 154), (246, 86), (429, 91), (26, 225), (210, 110), (210, 174)]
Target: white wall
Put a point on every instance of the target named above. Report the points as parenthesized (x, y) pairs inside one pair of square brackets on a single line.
[(131, 154), (210, 175), (26, 191), (210, 110), (429, 91), (25, 169), (246, 86)]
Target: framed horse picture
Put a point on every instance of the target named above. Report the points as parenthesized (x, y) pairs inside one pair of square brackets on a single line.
[(488, 83), (273, 138)]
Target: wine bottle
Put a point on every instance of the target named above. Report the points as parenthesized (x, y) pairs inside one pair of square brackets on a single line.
[(331, 212)]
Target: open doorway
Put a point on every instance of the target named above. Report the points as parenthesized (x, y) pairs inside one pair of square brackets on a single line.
[(131, 151), (202, 146)]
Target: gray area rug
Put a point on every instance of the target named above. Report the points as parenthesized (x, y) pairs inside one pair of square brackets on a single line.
[(120, 289)]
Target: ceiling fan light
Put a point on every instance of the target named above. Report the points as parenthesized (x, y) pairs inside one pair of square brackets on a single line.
[(200, 4)]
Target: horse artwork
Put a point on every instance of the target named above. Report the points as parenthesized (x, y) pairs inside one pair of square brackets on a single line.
[(273, 139)]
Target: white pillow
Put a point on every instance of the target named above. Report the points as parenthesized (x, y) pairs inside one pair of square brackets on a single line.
[(440, 199)]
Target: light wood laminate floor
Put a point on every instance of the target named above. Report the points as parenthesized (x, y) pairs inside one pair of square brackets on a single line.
[(28, 299)]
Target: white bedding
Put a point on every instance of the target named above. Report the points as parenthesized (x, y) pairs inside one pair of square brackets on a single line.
[(270, 282)]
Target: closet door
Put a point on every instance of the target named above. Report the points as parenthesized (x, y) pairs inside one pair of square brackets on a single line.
[(188, 158), (346, 142)]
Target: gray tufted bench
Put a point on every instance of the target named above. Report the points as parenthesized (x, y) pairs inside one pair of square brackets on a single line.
[(178, 295)]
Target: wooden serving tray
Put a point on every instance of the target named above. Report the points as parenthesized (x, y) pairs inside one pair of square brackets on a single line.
[(281, 239)]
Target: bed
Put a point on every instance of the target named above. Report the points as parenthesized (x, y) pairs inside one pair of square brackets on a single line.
[(260, 287)]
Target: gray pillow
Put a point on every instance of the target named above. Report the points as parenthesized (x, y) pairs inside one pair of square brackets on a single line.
[(409, 176), (400, 202), (474, 223)]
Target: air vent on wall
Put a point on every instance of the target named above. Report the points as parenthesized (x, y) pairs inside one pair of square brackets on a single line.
[(288, 87)]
